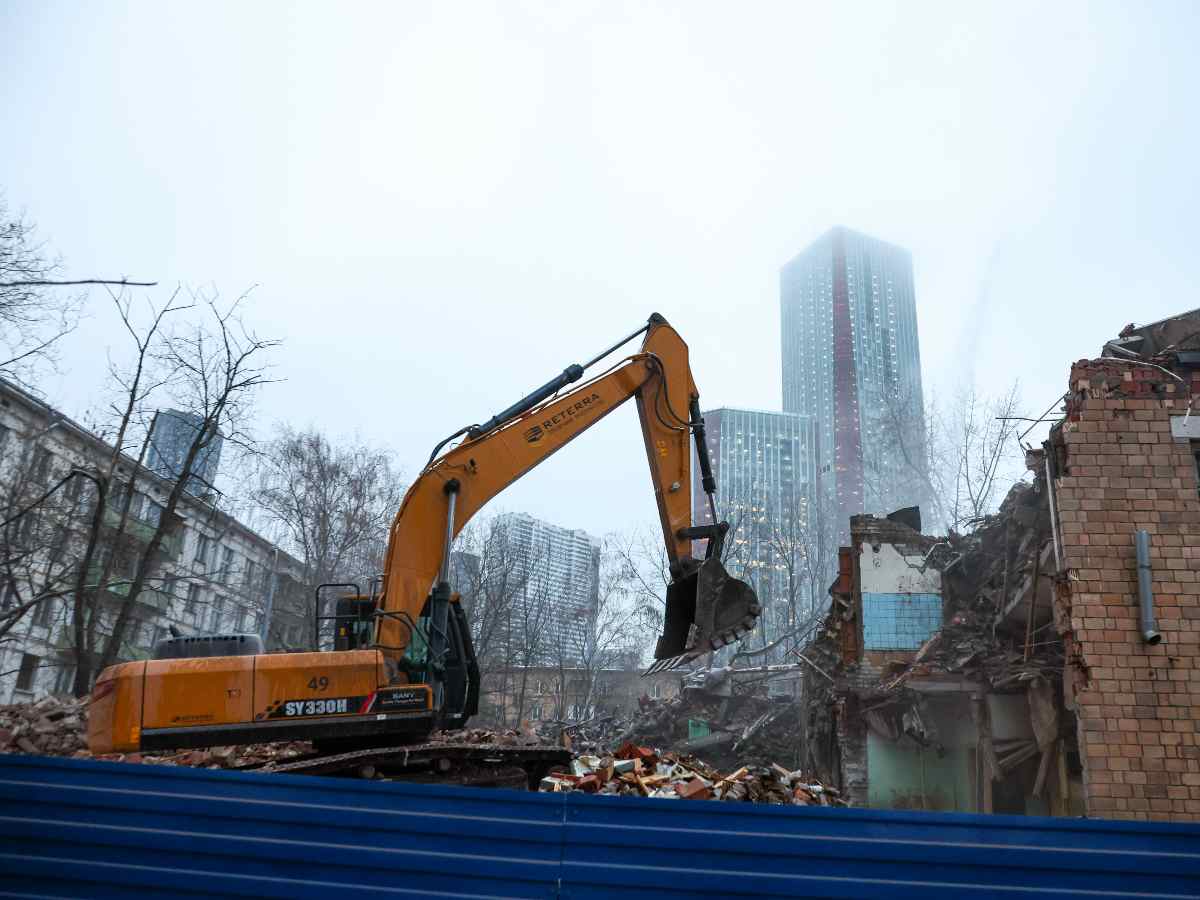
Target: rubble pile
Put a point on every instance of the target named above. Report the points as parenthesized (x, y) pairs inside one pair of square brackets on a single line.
[(593, 735), (53, 726), (727, 726), (664, 723), (249, 756), (638, 771), (967, 646), (57, 726), (485, 736)]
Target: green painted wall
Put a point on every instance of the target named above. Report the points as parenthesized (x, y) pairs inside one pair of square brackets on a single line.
[(904, 775)]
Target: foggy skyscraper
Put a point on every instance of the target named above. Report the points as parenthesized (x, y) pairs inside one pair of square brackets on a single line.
[(852, 362), (170, 439)]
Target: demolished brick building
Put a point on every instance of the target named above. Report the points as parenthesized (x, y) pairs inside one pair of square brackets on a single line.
[(1022, 668)]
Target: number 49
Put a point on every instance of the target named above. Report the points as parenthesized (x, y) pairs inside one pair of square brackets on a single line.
[(318, 684)]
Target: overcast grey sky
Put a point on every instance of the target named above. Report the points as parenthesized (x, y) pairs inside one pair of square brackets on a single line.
[(444, 204)]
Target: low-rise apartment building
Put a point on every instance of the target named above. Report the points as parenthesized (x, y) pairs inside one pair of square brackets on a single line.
[(213, 574)]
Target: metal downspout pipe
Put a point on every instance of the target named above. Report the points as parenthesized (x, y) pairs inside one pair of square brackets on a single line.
[(1149, 627)]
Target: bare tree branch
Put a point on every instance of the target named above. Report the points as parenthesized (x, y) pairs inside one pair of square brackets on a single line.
[(40, 283)]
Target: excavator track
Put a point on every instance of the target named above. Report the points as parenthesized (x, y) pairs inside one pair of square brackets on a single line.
[(482, 765)]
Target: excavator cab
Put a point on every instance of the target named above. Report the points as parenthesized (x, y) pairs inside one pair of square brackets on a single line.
[(353, 619)]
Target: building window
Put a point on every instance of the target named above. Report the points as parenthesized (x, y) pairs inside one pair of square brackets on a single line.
[(226, 563), (65, 680), (44, 612), (11, 596), (1196, 457), (535, 712), (116, 496), (193, 599), (147, 510), (28, 672), (217, 608), (28, 528), (40, 470), (203, 548), (656, 691), (71, 491)]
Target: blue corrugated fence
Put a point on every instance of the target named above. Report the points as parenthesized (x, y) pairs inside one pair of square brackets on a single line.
[(79, 828)]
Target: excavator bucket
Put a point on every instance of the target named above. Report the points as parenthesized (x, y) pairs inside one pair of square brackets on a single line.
[(706, 610)]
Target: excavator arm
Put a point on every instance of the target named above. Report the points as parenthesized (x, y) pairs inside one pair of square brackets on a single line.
[(706, 608)]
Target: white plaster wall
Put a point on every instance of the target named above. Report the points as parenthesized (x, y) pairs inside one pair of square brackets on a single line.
[(887, 571)]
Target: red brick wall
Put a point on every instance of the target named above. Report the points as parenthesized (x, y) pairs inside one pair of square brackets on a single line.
[(1138, 705)]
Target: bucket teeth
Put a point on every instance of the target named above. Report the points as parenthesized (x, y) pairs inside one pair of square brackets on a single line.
[(672, 662), (729, 636)]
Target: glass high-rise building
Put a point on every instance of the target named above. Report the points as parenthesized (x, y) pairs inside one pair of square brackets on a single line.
[(171, 437), (765, 464), (554, 575), (852, 361)]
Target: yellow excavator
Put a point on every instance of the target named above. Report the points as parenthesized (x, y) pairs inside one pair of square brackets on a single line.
[(402, 663)]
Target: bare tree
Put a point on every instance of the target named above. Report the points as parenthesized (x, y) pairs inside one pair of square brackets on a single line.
[(526, 634), (33, 318), (645, 573), (508, 604), (489, 572), (333, 504), (982, 455), (523, 620), (98, 530), (801, 548), (962, 462), (210, 367), (606, 633)]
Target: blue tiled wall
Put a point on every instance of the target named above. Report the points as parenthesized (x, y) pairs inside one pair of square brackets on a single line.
[(900, 621)]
